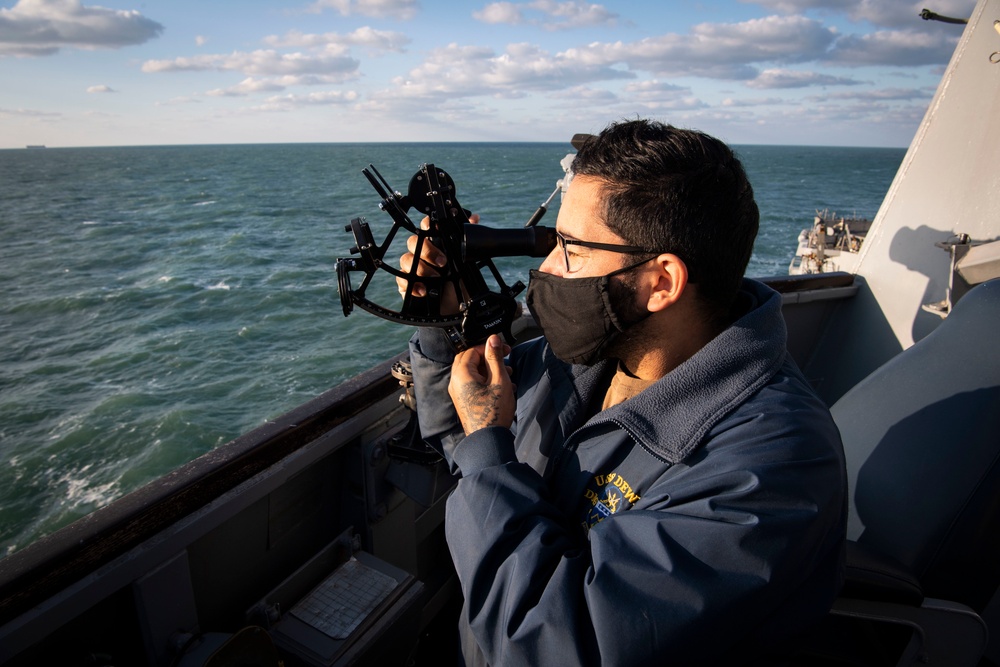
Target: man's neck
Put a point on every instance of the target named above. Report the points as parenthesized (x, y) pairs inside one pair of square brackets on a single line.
[(664, 341)]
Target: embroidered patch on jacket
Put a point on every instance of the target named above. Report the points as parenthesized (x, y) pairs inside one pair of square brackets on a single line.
[(606, 495)]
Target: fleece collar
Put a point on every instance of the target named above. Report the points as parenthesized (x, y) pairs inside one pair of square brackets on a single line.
[(671, 417)]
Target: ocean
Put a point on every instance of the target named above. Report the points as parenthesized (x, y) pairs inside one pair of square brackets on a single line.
[(160, 301)]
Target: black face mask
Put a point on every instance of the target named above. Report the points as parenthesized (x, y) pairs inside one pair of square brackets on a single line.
[(577, 315)]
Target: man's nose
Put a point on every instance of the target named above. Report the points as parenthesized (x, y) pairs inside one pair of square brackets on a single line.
[(554, 263)]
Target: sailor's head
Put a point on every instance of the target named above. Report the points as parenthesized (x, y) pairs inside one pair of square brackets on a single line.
[(647, 200)]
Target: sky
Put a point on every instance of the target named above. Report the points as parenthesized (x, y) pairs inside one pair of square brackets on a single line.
[(156, 72)]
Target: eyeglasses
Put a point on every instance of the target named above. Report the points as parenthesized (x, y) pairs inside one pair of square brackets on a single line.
[(575, 262)]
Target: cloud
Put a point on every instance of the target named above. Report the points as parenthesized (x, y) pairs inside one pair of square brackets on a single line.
[(324, 59), (661, 96), (554, 15), (500, 13), (900, 14), (249, 86), (263, 62), (578, 95), (468, 71), (398, 9), (375, 40), (784, 78), (822, 110), (756, 52), (653, 87), (652, 98), (884, 95), (894, 47), (101, 89), (291, 102), (688, 103), (721, 51), (178, 101), (29, 113), (717, 51), (200, 40), (752, 102), (656, 74), (252, 85), (800, 6), (42, 27)]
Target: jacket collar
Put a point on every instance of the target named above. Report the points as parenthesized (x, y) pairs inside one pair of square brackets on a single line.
[(671, 417)]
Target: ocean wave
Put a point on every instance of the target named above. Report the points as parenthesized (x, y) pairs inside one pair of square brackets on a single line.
[(81, 489)]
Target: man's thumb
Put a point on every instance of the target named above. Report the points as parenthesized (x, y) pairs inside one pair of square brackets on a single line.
[(494, 357)]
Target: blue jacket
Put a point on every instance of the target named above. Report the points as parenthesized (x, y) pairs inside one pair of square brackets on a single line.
[(701, 521)]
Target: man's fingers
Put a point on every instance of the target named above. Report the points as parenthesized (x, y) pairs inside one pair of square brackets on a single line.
[(469, 366), (425, 259), (406, 263), (480, 387), (429, 253), (498, 372)]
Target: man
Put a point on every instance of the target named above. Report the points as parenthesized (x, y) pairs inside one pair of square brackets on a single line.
[(652, 481)]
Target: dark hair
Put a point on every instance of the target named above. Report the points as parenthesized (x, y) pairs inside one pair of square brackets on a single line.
[(678, 191)]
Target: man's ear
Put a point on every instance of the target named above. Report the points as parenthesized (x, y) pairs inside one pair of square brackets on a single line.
[(671, 281)]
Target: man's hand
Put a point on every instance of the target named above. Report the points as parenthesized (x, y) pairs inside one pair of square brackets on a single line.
[(430, 262), (480, 386)]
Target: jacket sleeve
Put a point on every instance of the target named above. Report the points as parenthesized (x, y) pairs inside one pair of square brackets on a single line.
[(431, 356), (718, 549)]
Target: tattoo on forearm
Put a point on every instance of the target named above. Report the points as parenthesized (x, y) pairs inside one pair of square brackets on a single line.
[(480, 405)]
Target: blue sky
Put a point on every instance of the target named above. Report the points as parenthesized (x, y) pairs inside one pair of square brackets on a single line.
[(149, 72)]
